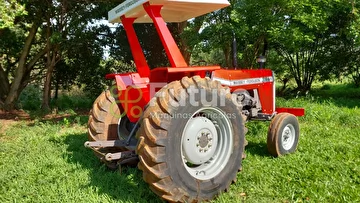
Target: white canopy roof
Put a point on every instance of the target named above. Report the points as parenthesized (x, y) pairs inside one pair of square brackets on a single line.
[(172, 10)]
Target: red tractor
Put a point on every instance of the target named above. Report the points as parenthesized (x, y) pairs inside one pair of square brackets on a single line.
[(184, 125)]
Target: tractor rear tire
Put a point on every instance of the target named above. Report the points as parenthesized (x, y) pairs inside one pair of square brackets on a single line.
[(106, 123), (283, 134), (191, 153)]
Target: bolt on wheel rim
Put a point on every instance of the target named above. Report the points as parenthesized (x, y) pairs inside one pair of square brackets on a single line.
[(288, 137), (207, 143)]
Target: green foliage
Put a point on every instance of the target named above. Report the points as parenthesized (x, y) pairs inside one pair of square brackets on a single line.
[(72, 100), (116, 66), (342, 48), (10, 9), (66, 122), (214, 56), (303, 40), (30, 98), (69, 102), (65, 33), (215, 38), (76, 99), (150, 43), (343, 91), (326, 87)]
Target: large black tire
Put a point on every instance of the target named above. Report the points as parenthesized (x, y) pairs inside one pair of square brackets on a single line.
[(160, 147), (283, 134), (106, 123)]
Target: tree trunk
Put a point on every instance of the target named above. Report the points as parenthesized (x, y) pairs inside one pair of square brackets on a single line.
[(57, 86), (4, 85), (45, 105), (227, 55), (47, 85), (13, 95), (184, 45), (266, 45), (50, 66), (177, 30)]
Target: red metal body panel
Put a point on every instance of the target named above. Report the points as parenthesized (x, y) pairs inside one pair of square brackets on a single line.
[(172, 50), (294, 111), (261, 80), (167, 74), (133, 93), (136, 50)]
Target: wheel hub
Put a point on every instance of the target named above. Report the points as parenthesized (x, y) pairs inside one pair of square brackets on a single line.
[(288, 137), (207, 143), (199, 140), (204, 139)]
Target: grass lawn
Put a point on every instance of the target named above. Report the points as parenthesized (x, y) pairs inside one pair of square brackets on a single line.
[(45, 161)]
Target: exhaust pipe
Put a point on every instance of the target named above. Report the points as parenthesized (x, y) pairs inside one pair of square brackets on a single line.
[(234, 51)]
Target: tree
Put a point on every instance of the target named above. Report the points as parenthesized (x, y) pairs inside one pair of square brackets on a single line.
[(22, 70), (44, 40), (29, 49), (186, 34), (71, 38), (310, 30), (10, 9), (217, 33), (343, 52), (149, 40)]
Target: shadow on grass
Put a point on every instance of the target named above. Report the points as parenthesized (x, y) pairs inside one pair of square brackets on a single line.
[(62, 119), (129, 185), (257, 149), (340, 101), (125, 186), (257, 137)]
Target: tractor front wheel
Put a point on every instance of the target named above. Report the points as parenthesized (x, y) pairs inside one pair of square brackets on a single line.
[(283, 134), (191, 140)]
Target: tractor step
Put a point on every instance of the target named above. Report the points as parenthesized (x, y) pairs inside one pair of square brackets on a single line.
[(130, 145), (120, 158), (119, 155), (103, 144)]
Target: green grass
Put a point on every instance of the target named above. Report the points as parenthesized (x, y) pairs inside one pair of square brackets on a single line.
[(325, 168), (336, 91), (46, 161)]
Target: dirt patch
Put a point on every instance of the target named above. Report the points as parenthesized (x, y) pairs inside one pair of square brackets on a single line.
[(5, 124), (14, 115), (8, 119), (54, 117)]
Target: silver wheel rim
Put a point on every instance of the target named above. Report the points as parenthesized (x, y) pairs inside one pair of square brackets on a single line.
[(207, 143), (288, 137), (120, 134)]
